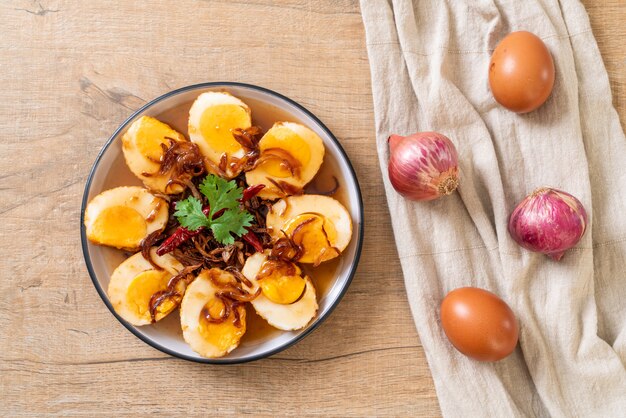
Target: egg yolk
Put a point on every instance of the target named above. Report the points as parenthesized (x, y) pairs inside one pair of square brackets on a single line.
[(119, 226), (282, 289), (141, 289), (150, 135), (223, 335), (315, 234), (288, 142), (215, 307), (217, 123)]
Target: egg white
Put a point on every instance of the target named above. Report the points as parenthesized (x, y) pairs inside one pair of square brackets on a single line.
[(139, 163), (289, 317), (137, 198), (288, 208), (202, 103), (198, 293), (316, 153), (123, 277)]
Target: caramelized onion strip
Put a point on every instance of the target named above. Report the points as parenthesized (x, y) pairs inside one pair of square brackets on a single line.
[(232, 296), (181, 160), (146, 244), (172, 292), (287, 189), (284, 159), (248, 138)]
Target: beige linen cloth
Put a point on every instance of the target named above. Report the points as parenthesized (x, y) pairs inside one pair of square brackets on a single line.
[(429, 63)]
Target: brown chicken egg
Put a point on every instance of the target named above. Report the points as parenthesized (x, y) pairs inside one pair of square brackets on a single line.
[(521, 72), (479, 324)]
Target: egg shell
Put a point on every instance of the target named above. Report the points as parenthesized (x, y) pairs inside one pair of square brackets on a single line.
[(154, 210), (521, 72), (149, 132), (479, 324), (289, 317), (288, 208), (126, 272), (304, 137)]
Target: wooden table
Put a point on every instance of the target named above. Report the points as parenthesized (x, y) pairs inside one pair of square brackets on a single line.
[(70, 73)]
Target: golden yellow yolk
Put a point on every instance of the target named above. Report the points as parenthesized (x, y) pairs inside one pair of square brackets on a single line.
[(119, 226), (141, 289), (215, 307), (286, 140), (149, 137), (282, 289), (315, 234), (224, 335), (217, 123)]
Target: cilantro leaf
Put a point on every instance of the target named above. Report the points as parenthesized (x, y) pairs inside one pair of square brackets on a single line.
[(224, 196), (189, 214), (221, 193), (232, 221)]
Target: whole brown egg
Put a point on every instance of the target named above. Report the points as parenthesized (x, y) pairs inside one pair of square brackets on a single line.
[(479, 324), (521, 72)]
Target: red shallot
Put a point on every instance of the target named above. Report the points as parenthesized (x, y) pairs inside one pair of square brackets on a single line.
[(423, 166), (548, 221)]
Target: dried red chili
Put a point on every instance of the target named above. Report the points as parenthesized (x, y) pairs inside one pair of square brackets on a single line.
[(250, 192), (180, 235), (251, 238)]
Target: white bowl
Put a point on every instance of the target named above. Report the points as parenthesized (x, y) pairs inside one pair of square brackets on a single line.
[(109, 170)]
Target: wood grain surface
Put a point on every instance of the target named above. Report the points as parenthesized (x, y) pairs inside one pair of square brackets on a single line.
[(71, 72)]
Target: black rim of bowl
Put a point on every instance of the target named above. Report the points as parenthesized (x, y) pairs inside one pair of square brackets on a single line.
[(223, 360)]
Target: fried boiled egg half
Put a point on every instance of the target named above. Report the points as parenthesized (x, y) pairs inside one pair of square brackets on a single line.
[(206, 338), (212, 119), (287, 300), (320, 225), (124, 216), (135, 281), (142, 145), (290, 156)]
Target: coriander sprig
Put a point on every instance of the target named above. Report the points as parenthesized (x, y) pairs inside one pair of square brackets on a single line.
[(223, 196)]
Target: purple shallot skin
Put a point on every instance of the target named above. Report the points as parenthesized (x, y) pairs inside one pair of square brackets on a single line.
[(548, 221), (423, 166)]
